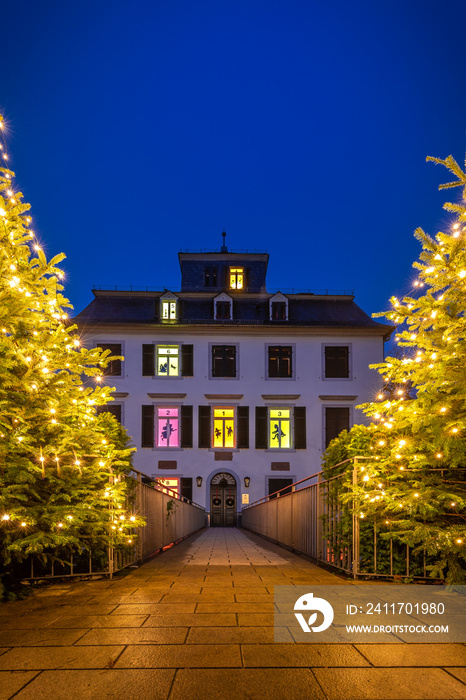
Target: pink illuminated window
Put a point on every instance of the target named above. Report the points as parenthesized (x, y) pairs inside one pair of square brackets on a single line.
[(167, 427)]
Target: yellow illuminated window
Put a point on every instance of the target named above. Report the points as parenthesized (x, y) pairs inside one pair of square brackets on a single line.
[(224, 427), (172, 484), (236, 277), (280, 427), (168, 310), (168, 361)]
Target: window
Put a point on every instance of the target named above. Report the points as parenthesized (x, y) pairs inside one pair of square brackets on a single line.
[(240, 427), (277, 484), (280, 361), (223, 310), (113, 369), (236, 277), (280, 428), (172, 483), (113, 408), (278, 311), (337, 418), (167, 426), (186, 484), (278, 307), (336, 362), (148, 359), (270, 426), (167, 432), (223, 360), (224, 427), (167, 364), (169, 310), (210, 277)]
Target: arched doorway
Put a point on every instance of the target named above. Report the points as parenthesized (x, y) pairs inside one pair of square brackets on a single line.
[(223, 500)]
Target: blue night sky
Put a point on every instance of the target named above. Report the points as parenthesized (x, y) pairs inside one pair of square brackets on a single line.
[(137, 129)]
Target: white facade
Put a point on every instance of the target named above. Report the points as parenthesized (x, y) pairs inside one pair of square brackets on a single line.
[(307, 388)]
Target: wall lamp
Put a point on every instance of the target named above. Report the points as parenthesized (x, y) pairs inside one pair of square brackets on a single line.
[(247, 479), (199, 480)]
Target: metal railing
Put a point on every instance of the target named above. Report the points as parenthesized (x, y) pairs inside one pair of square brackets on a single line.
[(311, 518), (164, 527)]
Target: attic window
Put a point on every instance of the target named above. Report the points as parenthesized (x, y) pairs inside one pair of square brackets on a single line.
[(236, 277), (223, 310), (278, 311), (169, 310)]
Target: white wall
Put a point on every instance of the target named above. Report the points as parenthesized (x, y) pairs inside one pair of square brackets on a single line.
[(252, 383)]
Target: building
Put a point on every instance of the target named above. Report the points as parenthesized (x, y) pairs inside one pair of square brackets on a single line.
[(231, 392)]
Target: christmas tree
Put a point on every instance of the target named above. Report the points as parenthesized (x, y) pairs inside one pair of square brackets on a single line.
[(414, 485), (61, 462)]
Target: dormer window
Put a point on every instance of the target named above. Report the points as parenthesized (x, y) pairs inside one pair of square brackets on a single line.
[(168, 307), (223, 308), (210, 277), (236, 277), (279, 307)]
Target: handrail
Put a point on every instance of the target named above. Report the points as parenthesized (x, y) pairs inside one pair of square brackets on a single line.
[(292, 486)]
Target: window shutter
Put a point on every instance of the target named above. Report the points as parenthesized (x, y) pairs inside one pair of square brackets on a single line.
[(186, 360), (336, 420), (148, 363), (243, 426), (186, 426), (147, 433), (300, 427), (186, 487), (261, 428), (204, 426)]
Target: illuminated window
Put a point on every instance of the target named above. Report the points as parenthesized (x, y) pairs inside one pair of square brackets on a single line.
[(167, 427), (280, 428), (169, 310), (236, 277), (224, 427), (167, 362), (173, 484)]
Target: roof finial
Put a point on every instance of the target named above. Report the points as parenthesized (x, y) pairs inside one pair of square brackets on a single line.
[(224, 249)]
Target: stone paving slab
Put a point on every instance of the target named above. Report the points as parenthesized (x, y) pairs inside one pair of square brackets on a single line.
[(44, 637), (181, 656), (37, 658), (141, 684), (414, 654), (191, 620), (389, 684), (129, 636), (99, 621), (234, 635), (12, 681), (254, 684), (298, 655)]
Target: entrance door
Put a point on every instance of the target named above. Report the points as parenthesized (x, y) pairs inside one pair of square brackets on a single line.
[(223, 500)]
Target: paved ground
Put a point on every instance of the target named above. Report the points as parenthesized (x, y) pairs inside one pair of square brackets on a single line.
[(197, 622)]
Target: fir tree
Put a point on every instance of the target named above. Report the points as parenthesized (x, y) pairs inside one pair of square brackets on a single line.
[(414, 485), (61, 463)]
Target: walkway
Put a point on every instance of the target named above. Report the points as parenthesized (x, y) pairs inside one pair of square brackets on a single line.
[(197, 622)]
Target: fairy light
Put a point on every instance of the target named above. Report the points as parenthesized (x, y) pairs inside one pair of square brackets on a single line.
[(5, 517)]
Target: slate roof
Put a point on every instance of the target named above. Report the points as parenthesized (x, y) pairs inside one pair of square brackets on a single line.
[(113, 308)]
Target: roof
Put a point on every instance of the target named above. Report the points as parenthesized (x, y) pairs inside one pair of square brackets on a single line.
[(304, 310)]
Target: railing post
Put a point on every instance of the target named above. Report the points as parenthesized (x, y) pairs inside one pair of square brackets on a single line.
[(355, 524)]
